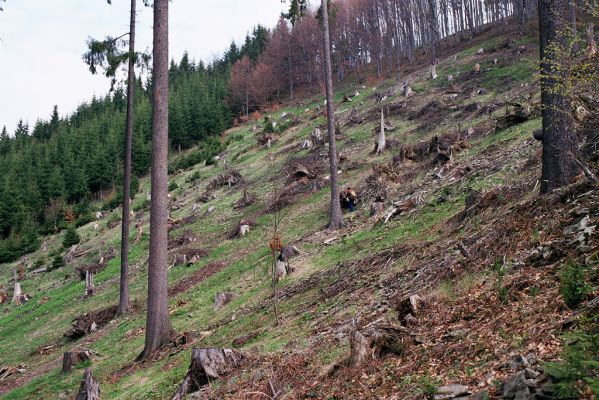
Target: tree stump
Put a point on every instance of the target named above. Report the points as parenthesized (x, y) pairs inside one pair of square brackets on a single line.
[(89, 283), (207, 365), (17, 293), (222, 299), (360, 348), (374, 340), (67, 362), (89, 388)]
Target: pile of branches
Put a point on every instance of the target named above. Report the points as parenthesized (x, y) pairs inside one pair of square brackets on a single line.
[(188, 256), (229, 178), (176, 223), (374, 186), (429, 109), (91, 268), (200, 275), (517, 113), (186, 238), (264, 138), (245, 200), (85, 324), (309, 167), (439, 148)]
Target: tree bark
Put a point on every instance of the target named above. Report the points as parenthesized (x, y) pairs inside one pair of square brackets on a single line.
[(336, 218), (16, 295), (382, 142), (89, 388), (207, 365), (560, 144), (158, 326), (124, 282), (67, 362), (89, 283)]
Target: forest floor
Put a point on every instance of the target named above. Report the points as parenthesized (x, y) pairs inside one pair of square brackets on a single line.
[(474, 240)]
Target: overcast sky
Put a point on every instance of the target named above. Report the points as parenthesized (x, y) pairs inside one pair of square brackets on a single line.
[(41, 43)]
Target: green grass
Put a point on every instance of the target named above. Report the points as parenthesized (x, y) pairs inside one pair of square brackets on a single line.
[(23, 329)]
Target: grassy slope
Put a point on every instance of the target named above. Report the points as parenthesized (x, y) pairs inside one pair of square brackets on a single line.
[(42, 322)]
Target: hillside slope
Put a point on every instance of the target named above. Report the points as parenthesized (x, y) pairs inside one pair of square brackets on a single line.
[(471, 237)]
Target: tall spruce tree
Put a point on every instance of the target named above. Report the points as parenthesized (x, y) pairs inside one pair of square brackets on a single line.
[(158, 325), (124, 303)]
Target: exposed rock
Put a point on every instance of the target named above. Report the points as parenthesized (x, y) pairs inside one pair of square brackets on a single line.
[(451, 391), (243, 229), (515, 387), (518, 362)]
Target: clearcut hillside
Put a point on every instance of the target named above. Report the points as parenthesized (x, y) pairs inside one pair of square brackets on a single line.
[(462, 227)]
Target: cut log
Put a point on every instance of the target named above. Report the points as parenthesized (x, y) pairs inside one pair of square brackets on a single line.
[(89, 388), (207, 365), (67, 362)]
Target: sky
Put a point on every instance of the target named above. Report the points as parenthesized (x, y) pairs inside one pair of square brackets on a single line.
[(41, 43)]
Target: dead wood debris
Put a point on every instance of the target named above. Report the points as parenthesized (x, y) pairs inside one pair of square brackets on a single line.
[(85, 324), (246, 200), (207, 365), (200, 275), (230, 177)]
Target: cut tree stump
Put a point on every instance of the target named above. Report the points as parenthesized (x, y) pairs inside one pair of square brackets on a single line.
[(70, 358), (206, 365), (67, 362), (375, 339), (89, 388), (222, 299), (89, 283), (360, 348)]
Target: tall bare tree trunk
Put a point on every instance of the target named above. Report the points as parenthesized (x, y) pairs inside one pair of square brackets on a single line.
[(158, 325), (560, 144), (336, 220), (124, 289)]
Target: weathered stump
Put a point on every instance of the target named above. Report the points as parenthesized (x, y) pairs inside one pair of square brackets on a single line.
[(67, 362), (17, 293), (207, 365), (89, 283), (360, 348), (374, 340), (89, 388), (222, 299)]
